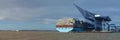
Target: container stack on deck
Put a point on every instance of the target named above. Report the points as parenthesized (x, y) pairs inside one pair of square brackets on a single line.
[(65, 24)]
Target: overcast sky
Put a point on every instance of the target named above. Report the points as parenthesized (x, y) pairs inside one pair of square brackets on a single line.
[(42, 14)]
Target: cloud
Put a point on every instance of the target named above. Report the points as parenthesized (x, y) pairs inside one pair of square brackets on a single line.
[(45, 11), (31, 11), (21, 14), (48, 21)]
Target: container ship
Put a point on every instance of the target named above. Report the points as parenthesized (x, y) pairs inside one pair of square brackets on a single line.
[(93, 23)]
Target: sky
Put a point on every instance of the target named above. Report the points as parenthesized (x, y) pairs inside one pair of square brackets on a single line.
[(43, 14)]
